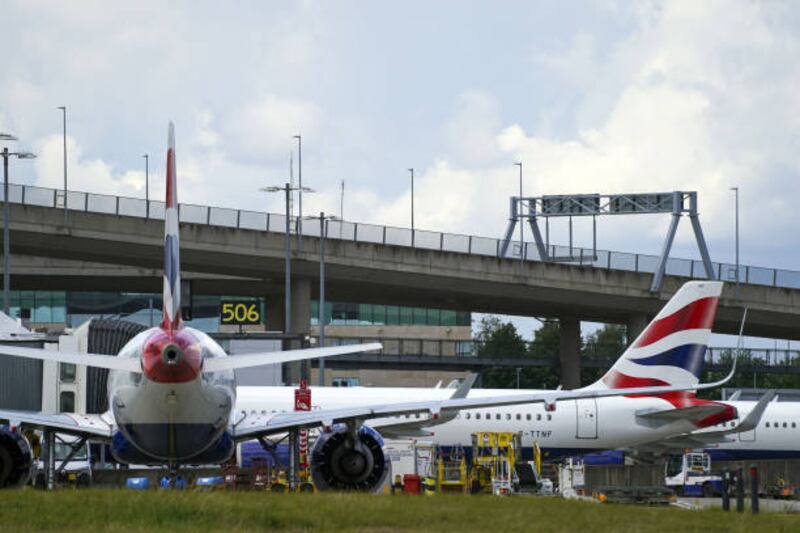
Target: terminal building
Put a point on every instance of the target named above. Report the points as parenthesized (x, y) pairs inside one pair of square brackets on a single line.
[(403, 330)]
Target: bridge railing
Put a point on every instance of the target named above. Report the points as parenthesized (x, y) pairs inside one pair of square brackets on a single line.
[(392, 236)]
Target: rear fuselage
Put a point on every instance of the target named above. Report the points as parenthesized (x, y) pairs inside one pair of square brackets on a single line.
[(160, 420)]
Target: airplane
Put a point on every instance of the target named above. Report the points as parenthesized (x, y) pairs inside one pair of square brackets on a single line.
[(670, 351), (172, 397)]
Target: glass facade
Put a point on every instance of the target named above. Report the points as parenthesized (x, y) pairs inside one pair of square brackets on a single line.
[(41, 307), (349, 314), (75, 308)]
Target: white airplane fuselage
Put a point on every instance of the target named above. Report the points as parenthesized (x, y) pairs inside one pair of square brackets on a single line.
[(575, 426), (167, 419), (777, 435)]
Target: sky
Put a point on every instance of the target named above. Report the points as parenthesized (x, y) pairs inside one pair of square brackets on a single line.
[(592, 97)]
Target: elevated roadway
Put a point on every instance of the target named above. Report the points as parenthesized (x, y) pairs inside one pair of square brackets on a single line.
[(113, 252)]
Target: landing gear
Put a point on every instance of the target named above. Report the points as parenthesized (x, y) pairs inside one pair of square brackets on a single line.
[(173, 480)]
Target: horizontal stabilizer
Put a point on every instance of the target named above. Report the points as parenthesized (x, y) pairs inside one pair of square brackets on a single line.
[(270, 358), (693, 412), (99, 361)]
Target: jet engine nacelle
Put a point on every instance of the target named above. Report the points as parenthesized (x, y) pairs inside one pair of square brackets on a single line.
[(341, 460), (16, 459)]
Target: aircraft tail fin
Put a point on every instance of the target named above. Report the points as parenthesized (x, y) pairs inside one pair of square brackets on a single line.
[(172, 263), (671, 349)]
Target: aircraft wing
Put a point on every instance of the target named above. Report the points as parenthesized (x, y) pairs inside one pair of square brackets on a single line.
[(101, 361), (95, 427), (269, 358), (253, 426), (418, 427)]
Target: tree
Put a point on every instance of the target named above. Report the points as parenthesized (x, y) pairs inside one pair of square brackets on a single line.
[(498, 339), (601, 349)]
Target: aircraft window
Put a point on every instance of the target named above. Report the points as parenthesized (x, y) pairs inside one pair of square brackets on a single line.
[(488, 416), (794, 425), (549, 417), (785, 425), (538, 417), (477, 416), (528, 416), (67, 401), (416, 415), (508, 416), (467, 416), (497, 416), (263, 411), (519, 416), (252, 411), (767, 424)]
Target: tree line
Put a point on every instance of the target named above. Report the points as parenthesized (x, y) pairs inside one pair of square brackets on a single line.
[(498, 339)]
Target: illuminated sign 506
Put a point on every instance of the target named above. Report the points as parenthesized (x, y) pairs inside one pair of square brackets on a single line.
[(240, 313)]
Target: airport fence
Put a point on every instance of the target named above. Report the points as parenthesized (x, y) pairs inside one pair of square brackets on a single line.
[(597, 355), (392, 236)]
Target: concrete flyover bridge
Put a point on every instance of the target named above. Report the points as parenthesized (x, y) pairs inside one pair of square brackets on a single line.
[(115, 243)]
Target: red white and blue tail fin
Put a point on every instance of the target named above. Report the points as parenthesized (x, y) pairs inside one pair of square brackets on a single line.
[(671, 350), (172, 260)]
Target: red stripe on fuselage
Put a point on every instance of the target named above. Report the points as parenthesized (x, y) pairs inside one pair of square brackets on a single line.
[(678, 399), (697, 315)]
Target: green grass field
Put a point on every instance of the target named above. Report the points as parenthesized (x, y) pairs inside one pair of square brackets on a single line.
[(121, 510)]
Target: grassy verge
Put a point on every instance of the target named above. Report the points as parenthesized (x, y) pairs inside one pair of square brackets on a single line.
[(120, 510)]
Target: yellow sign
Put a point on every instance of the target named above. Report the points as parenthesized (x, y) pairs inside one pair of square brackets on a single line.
[(240, 312)]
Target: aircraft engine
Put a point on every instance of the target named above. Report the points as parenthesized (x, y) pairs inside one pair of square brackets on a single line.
[(342, 460), (16, 459)]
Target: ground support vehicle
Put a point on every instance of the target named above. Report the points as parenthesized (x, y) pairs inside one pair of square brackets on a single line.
[(689, 474)]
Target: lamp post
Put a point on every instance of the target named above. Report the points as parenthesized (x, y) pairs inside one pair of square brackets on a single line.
[(323, 233), (411, 170), (64, 113), (287, 301), (736, 192), (341, 210), (6, 238), (147, 184), (299, 191), (521, 219)]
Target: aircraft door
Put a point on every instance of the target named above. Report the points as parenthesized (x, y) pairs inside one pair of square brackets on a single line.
[(586, 411)]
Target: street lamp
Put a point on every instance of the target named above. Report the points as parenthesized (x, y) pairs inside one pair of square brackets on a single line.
[(6, 238), (736, 192), (323, 233), (147, 184), (300, 190), (411, 170), (287, 189), (521, 219), (64, 110)]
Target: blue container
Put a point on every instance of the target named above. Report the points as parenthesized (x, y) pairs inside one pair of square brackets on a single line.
[(137, 483), (210, 481)]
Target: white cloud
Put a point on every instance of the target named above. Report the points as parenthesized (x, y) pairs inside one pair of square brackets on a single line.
[(263, 129), (83, 174)]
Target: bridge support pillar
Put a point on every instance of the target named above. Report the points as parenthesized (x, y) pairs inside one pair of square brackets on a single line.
[(300, 323), (275, 312), (569, 352), (634, 327)]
